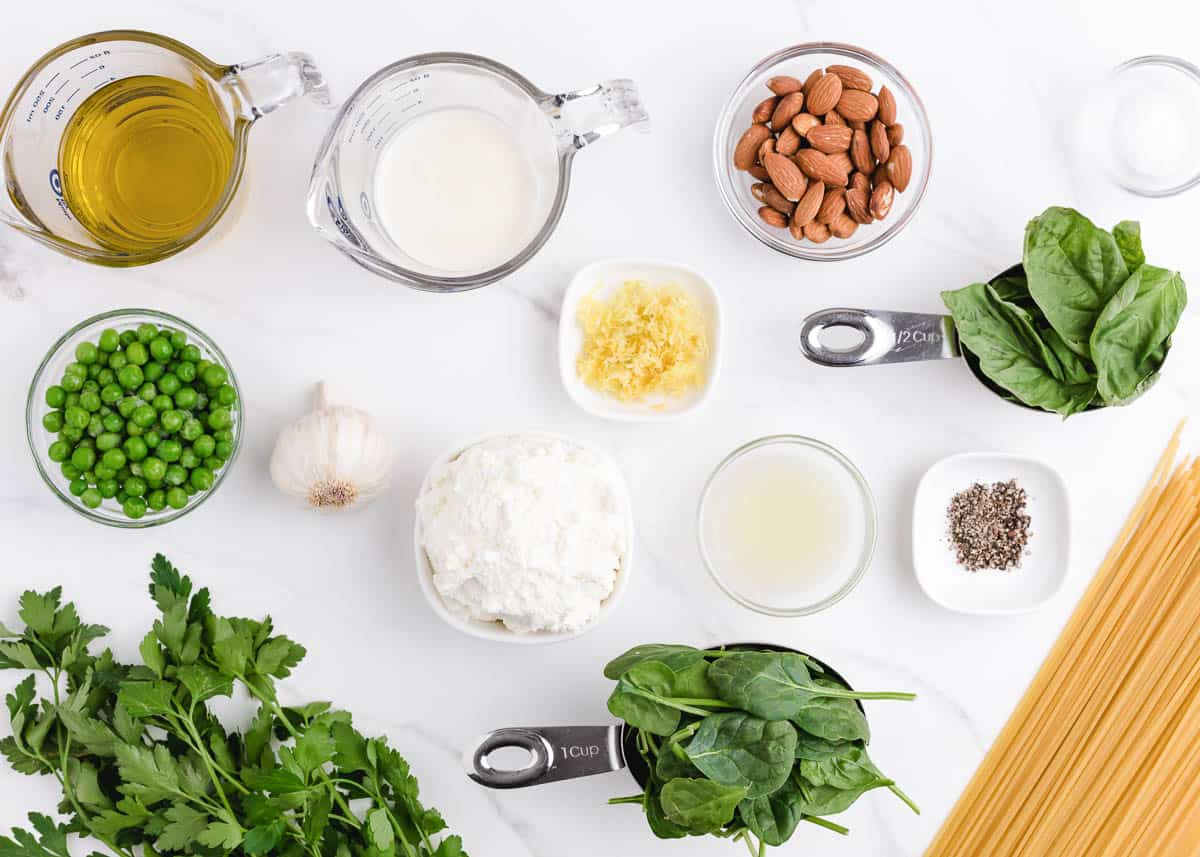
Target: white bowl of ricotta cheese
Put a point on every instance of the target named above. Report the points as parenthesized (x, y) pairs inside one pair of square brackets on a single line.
[(523, 538)]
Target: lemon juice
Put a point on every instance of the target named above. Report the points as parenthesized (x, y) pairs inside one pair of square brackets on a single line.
[(144, 161)]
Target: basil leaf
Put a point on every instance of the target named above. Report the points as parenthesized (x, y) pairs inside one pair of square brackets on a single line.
[(1133, 333), (1073, 268), (1128, 235)]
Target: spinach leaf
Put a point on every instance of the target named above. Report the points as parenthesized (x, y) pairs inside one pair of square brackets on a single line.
[(656, 817), (1133, 332), (811, 747), (847, 770), (700, 806), (676, 658), (669, 766), (830, 800), (1073, 268), (832, 718), (740, 750), (1012, 353), (1128, 235), (776, 685), (773, 818), (637, 699)]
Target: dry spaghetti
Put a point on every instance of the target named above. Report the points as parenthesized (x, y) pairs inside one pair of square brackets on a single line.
[(1102, 756)]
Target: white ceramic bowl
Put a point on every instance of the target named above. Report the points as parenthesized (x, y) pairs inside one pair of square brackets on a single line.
[(1042, 571), (602, 279), (496, 630)]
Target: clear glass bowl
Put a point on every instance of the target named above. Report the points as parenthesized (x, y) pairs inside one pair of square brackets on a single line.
[(835, 590), (799, 61), (50, 372)]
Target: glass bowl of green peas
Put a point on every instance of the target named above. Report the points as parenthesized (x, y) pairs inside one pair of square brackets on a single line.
[(134, 418)]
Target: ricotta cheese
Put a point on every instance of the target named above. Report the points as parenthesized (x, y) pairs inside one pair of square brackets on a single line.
[(526, 530)]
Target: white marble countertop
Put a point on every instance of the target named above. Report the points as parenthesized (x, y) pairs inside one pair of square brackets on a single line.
[(997, 79)]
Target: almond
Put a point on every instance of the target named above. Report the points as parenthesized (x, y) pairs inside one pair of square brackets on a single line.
[(767, 147), (859, 181), (820, 167), (899, 168), (783, 84), (832, 205), (809, 205), (880, 146), (786, 176), (797, 231), (852, 78), (758, 191), (895, 133), (881, 200), (887, 106), (771, 217), (856, 104), (841, 160), (817, 233), (804, 122), (858, 205), (857, 124), (879, 176), (843, 226), (834, 118), (860, 153), (788, 142), (787, 108), (764, 109), (759, 173), (830, 138), (775, 199), (824, 94), (745, 153), (810, 81)]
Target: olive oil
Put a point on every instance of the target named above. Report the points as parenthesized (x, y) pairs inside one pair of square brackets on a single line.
[(144, 161)]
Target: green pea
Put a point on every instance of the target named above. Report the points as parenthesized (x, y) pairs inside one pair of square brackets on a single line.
[(56, 396), (219, 418), (117, 361), (157, 500), (72, 400), (58, 451), (213, 463), (223, 434), (153, 371), (94, 370), (191, 354), (87, 353), (108, 440), (113, 459), (83, 458), (113, 422), (135, 486), (71, 383), (69, 470), (91, 498), (122, 497), (204, 446), (146, 332), (89, 400), (191, 489), (134, 507), (201, 479), (135, 448), (226, 395), (169, 384), (110, 340), (137, 354), (77, 486), (162, 402), (110, 394), (224, 450), (186, 372), (201, 402), (160, 348), (176, 498), (133, 429), (71, 434), (77, 417), (95, 426), (135, 468), (192, 429), (172, 421), (126, 406), (178, 339), (130, 377), (169, 450), (101, 472), (147, 391), (154, 469), (175, 475), (189, 459), (53, 421), (76, 368), (215, 376), (106, 376), (144, 416), (151, 439), (186, 398), (108, 488)]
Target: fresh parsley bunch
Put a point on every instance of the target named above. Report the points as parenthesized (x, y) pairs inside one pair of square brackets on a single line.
[(743, 743), (145, 766)]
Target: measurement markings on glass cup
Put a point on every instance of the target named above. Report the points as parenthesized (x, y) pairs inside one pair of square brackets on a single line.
[(49, 95), (371, 123)]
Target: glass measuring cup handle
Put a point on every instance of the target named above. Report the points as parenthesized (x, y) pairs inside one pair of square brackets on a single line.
[(887, 337), (263, 85), (584, 116)]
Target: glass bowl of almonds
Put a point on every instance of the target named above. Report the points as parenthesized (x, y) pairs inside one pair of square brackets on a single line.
[(823, 151)]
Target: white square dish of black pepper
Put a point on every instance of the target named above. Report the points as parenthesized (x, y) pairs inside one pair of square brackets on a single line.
[(991, 533)]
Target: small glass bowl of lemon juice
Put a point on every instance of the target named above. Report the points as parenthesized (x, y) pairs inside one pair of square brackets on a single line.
[(787, 525)]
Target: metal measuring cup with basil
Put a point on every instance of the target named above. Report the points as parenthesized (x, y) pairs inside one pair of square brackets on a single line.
[(742, 742), (1082, 323)]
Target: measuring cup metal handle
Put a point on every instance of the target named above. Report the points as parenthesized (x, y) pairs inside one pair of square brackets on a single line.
[(584, 116), (266, 84), (555, 753), (888, 337)]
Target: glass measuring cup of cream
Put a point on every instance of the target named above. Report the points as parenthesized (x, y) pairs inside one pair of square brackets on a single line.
[(123, 147), (449, 171), (786, 525)]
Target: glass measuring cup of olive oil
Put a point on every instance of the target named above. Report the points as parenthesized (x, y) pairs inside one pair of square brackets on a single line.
[(122, 148)]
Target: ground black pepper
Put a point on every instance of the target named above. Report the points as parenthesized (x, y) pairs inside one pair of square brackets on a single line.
[(988, 525)]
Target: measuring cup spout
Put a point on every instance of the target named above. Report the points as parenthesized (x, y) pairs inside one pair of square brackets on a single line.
[(263, 85), (582, 117)]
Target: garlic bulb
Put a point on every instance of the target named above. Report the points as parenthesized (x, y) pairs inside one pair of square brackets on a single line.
[(334, 458)]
